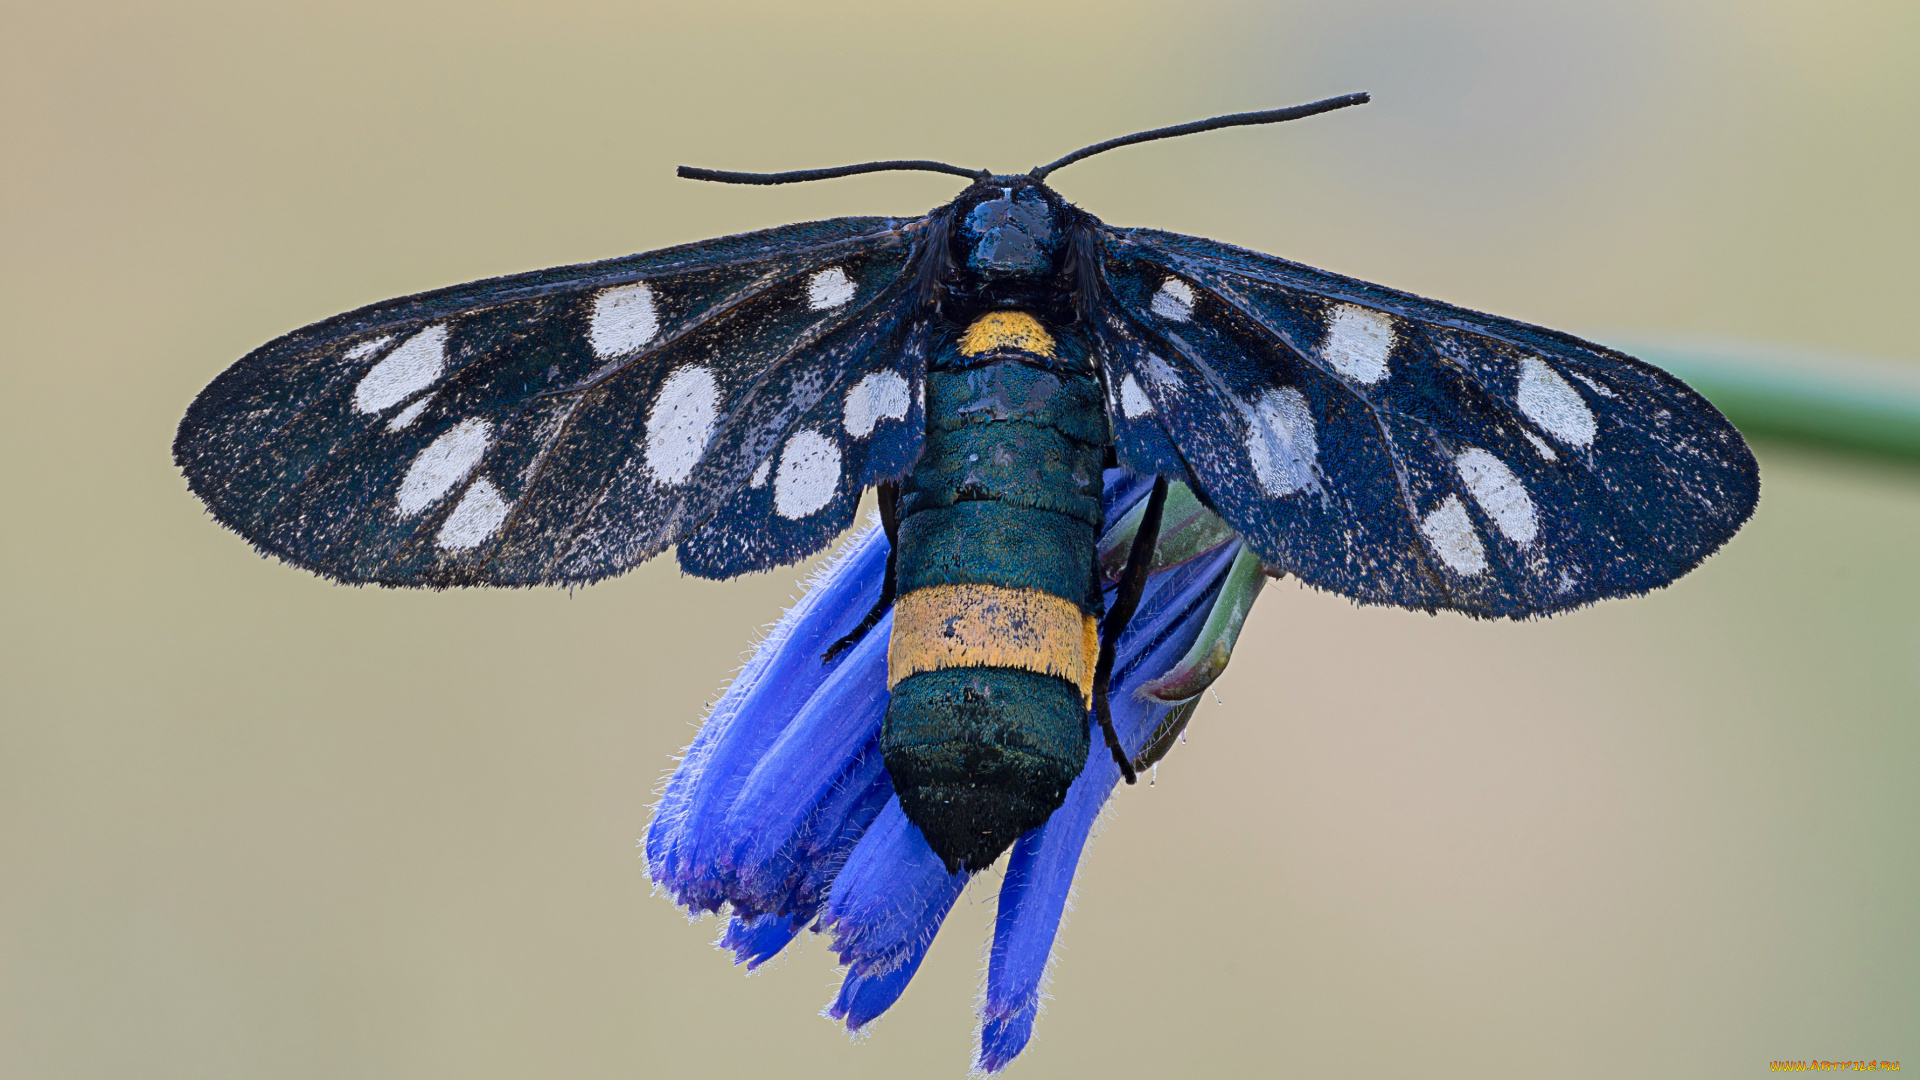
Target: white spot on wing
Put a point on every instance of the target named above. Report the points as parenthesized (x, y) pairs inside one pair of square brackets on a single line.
[(404, 372), (444, 463), (1553, 403), (1133, 400), (681, 423), (1500, 494), (1540, 444), (1281, 442), (1594, 386), (1161, 373), (880, 394), (760, 471), (1452, 535), (809, 474), (624, 319), (829, 289), (405, 417), (1358, 341), (1174, 300), (367, 348), (476, 517)]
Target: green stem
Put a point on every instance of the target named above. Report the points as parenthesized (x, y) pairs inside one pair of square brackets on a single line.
[(1866, 408), (1208, 657), (1188, 530)]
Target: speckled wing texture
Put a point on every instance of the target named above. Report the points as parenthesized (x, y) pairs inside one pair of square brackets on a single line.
[(733, 397), (1403, 451)]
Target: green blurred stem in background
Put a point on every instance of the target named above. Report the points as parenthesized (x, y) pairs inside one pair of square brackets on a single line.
[(1863, 407)]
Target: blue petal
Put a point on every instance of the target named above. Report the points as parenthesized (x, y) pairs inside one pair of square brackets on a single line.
[(1121, 490), (1001, 1040), (885, 908), (787, 785), (755, 941), (782, 809), (863, 997), (689, 849), (836, 827), (1040, 871)]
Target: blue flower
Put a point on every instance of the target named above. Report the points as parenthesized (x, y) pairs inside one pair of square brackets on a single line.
[(781, 814)]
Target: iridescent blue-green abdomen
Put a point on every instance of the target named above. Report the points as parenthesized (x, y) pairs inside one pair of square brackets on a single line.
[(995, 625)]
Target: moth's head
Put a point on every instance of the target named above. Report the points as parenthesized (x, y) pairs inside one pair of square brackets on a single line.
[(1009, 240), (1009, 229)]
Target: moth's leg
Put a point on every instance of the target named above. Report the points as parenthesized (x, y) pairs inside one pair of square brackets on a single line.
[(1133, 581), (889, 493)]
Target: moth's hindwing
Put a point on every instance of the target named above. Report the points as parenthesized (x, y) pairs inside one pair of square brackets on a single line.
[(804, 488), (1403, 451), (561, 426)]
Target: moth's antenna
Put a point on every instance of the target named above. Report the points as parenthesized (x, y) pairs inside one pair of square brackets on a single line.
[(798, 176), (801, 176), (1271, 116)]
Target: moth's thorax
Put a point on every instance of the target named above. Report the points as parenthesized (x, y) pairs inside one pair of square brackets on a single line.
[(1009, 242)]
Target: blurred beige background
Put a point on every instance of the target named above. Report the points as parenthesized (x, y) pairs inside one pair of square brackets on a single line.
[(255, 825)]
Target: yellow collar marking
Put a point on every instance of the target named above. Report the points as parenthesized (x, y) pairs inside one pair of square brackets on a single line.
[(1007, 330)]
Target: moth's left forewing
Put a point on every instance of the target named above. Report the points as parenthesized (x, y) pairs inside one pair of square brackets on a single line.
[(1404, 451), (549, 427)]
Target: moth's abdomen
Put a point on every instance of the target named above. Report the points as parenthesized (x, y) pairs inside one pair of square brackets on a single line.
[(995, 632)]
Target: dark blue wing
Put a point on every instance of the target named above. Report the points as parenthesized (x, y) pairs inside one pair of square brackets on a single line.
[(1403, 451), (561, 426), (805, 489)]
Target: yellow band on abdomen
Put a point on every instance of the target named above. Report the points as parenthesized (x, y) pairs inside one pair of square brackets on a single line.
[(1006, 330), (960, 626)]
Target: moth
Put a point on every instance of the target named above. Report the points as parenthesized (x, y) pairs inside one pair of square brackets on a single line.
[(980, 366)]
